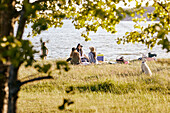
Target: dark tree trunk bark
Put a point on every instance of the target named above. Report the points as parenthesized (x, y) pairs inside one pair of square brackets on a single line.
[(9, 83), (14, 87), (3, 88), (22, 23), (5, 30), (7, 21)]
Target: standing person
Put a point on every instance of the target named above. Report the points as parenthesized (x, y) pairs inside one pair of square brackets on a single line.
[(92, 55), (79, 49), (44, 51)]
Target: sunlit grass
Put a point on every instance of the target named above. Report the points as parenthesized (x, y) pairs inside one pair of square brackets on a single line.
[(114, 88)]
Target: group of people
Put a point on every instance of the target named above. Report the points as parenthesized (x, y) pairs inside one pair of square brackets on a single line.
[(77, 56)]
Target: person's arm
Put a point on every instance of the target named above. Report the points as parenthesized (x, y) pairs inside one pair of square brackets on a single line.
[(41, 51), (47, 51), (81, 52), (95, 55), (86, 57), (71, 54), (79, 59)]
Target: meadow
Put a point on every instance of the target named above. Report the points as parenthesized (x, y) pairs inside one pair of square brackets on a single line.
[(105, 88)]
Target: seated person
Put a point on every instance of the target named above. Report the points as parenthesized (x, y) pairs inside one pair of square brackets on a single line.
[(71, 54), (121, 60), (92, 55), (83, 57), (75, 58), (79, 49), (151, 55)]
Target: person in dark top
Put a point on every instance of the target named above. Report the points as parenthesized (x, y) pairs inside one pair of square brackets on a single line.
[(44, 51), (151, 55), (120, 60), (82, 56), (79, 49)]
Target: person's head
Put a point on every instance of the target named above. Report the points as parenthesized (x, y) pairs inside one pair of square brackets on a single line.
[(43, 43), (121, 57), (79, 46), (73, 49), (92, 49)]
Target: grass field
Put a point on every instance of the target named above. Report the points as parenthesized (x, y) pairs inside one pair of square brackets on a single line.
[(105, 88)]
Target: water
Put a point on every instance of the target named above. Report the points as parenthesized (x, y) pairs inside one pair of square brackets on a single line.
[(61, 40)]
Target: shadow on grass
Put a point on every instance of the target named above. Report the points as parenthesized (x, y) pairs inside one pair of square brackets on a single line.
[(143, 85), (109, 87), (42, 87), (155, 84)]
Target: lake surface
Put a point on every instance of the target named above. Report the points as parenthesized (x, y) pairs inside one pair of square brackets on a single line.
[(61, 40)]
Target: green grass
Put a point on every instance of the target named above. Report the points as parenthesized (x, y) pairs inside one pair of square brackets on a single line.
[(106, 88)]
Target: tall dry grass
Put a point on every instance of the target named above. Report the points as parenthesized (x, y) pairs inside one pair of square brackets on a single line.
[(105, 88)]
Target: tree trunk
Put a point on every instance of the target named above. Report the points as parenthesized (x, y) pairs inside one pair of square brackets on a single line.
[(14, 87), (3, 88), (6, 29), (6, 23), (9, 87)]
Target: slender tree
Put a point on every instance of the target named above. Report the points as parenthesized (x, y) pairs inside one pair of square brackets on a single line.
[(88, 14)]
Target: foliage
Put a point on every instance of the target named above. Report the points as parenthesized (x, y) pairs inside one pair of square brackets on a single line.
[(62, 63), (19, 51), (43, 68), (156, 33), (92, 14), (105, 14)]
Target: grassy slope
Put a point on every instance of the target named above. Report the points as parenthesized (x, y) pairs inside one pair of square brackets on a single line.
[(103, 88)]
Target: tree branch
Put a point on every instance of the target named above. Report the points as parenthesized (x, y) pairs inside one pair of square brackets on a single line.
[(163, 7), (23, 19), (37, 2), (166, 11), (22, 22), (16, 13), (36, 79)]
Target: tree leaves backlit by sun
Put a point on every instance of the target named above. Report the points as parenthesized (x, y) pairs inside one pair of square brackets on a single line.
[(92, 14), (155, 33)]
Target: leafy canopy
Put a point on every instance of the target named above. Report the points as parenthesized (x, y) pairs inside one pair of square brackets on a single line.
[(88, 14), (92, 14)]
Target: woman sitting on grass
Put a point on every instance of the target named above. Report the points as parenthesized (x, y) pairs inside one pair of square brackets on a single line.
[(71, 54), (75, 60), (79, 49), (92, 55), (83, 57)]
